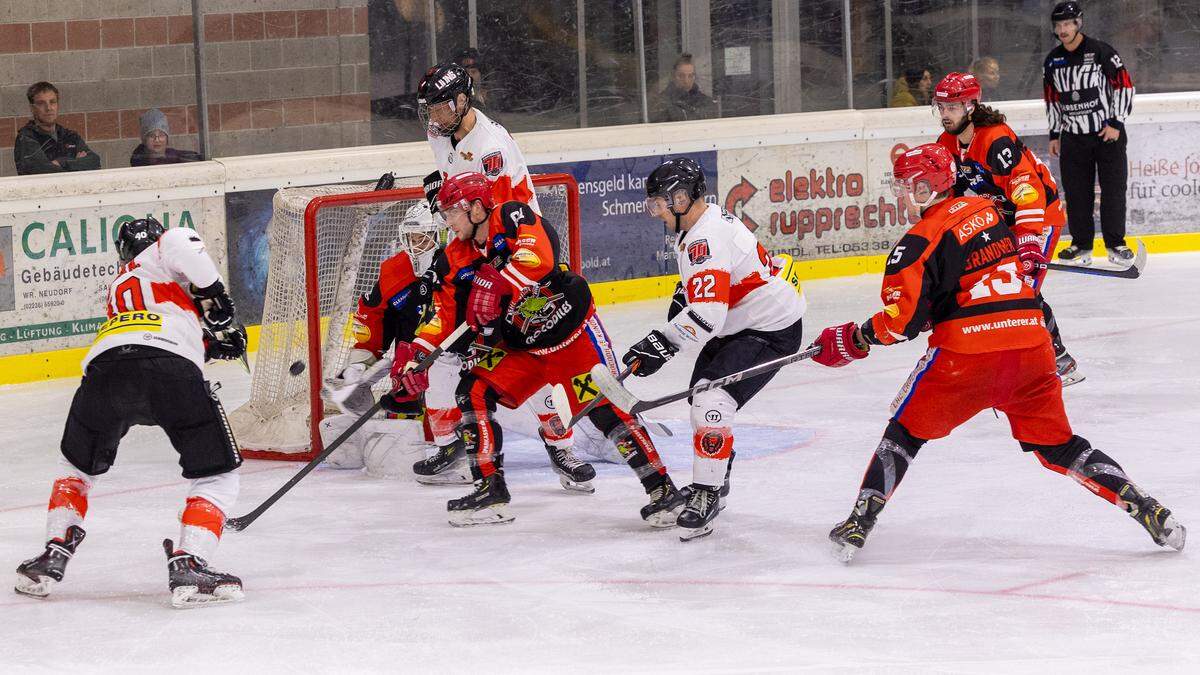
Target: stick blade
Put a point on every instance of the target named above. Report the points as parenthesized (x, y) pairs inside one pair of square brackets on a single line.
[(562, 404), (235, 525), (612, 389)]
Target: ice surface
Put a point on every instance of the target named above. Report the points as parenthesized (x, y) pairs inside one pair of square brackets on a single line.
[(984, 561)]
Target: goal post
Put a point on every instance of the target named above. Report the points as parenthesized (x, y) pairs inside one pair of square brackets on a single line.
[(325, 246)]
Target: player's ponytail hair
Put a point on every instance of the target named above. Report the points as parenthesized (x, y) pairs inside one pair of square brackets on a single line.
[(986, 116)]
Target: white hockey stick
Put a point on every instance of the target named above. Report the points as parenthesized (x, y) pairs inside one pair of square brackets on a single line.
[(630, 403), (562, 407)]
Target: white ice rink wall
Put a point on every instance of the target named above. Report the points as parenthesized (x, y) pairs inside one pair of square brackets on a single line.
[(814, 184)]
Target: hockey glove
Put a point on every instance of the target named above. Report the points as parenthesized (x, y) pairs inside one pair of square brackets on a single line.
[(678, 302), (214, 306), (840, 345), (1033, 261), (225, 345), (433, 183), (407, 385), (386, 182), (487, 294), (649, 354)]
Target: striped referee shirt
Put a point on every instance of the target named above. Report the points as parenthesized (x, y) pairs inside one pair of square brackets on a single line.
[(1086, 89)]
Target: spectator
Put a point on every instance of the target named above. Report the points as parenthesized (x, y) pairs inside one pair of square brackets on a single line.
[(470, 61), (912, 88), (987, 71), (682, 98), (155, 136), (44, 146)]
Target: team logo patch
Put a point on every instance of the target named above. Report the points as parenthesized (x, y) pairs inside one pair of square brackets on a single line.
[(585, 389), (466, 155), (493, 163), (698, 252), (491, 359), (131, 322), (526, 257), (1024, 194), (711, 443)]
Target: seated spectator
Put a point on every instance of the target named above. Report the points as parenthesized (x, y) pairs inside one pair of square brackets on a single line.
[(987, 70), (469, 59), (44, 146), (155, 136), (682, 98), (912, 88)]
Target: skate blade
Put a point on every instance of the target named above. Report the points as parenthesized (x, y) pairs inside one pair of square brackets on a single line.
[(691, 535), (448, 477), (844, 553), (664, 519), (489, 515), (34, 589), (190, 597), (1177, 538), (584, 487), (1072, 378)]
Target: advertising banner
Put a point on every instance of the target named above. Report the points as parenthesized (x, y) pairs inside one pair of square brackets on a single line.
[(55, 267), (620, 240)]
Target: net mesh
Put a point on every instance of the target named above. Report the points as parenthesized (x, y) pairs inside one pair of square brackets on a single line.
[(351, 241)]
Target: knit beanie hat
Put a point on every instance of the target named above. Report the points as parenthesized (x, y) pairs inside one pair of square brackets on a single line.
[(154, 120)]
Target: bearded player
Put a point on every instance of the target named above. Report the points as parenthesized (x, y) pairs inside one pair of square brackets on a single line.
[(168, 313), (993, 162), (958, 270), (541, 326)]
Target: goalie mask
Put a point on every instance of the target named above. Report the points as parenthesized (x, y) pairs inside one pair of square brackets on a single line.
[(420, 234), (136, 236)]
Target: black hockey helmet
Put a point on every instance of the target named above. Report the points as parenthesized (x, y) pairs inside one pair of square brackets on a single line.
[(442, 84), (135, 236), (682, 174), (1066, 10)]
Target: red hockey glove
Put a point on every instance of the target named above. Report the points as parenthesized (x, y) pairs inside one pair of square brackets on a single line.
[(407, 384), (1033, 261), (840, 345), (487, 293)]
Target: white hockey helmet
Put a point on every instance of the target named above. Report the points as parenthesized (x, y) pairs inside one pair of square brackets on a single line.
[(420, 233)]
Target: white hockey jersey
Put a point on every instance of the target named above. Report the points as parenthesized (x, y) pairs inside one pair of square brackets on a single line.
[(490, 150), (727, 279), (149, 304)]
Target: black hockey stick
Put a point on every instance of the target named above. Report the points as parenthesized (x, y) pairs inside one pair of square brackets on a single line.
[(1132, 272), (627, 401), (242, 522)]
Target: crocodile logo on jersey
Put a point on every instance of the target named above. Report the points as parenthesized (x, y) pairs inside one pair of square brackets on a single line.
[(493, 163), (537, 310), (698, 252)]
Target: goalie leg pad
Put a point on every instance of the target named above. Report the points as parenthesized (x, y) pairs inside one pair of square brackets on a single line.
[(348, 455), (391, 447)]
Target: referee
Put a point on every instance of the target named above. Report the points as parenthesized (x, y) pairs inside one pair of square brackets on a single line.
[(1088, 96)]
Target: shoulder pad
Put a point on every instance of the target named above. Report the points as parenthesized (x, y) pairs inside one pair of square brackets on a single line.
[(514, 214), (1003, 154)]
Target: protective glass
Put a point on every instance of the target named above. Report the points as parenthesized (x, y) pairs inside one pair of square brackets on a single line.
[(953, 108), (658, 204), (440, 119), (916, 191)]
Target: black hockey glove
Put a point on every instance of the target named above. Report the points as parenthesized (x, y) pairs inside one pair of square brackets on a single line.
[(678, 302), (215, 307), (386, 182), (649, 354), (225, 345), (432, 183)]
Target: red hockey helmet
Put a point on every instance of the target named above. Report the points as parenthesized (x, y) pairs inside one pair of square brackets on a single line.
[(957, 87), (461, 189), (930, 164)]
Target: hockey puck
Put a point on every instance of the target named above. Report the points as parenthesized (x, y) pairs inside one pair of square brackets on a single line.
[(296, 368)]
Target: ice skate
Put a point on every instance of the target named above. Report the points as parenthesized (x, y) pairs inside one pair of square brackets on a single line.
[(1156, 518), (36, 576), (447, 466), (575, 474), (1068, 370), (1120, 255), (1075, 255), (487, 505), (665, 504), (686, 490), (851, 534), (703, 505), (193, 584)]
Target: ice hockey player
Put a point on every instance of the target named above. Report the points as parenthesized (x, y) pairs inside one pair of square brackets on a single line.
[(168, 313), (399, 301), (464, 139), (732, 306), (994, 163), (958, 272), (543, 327)]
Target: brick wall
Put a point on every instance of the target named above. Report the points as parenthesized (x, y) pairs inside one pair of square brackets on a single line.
[(281, 75)]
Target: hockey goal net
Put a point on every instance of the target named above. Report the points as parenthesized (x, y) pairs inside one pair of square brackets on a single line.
[(325, 246)]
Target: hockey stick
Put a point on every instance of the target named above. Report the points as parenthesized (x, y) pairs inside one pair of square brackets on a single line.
[(357, 397), (1132, 272), (242, 522), (562, 404), (627, 401)]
